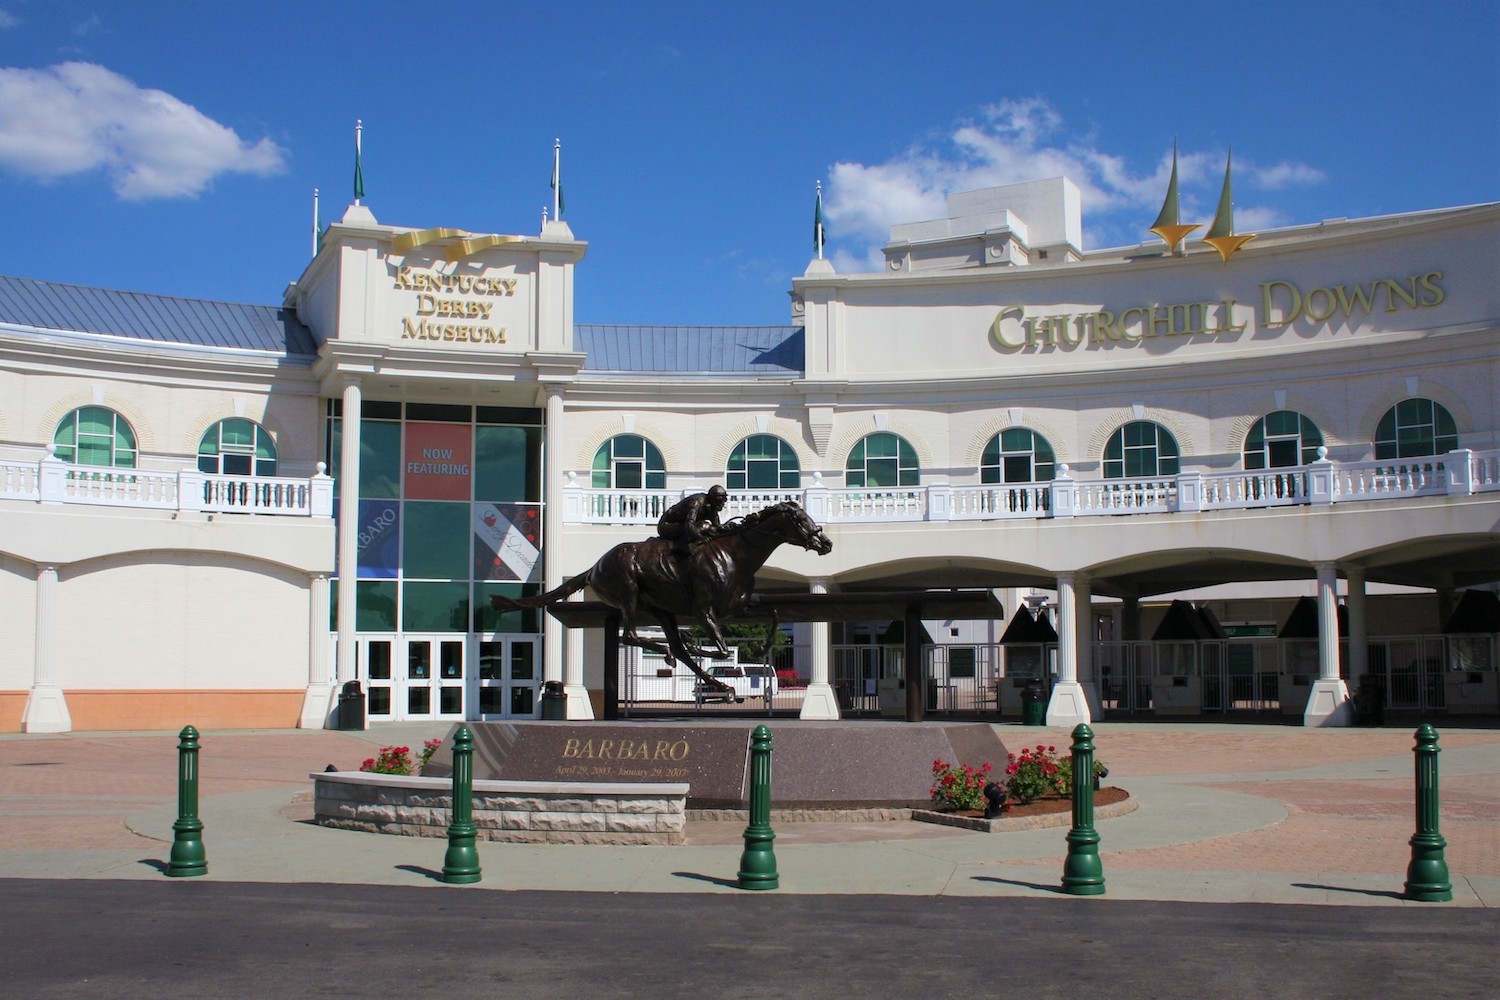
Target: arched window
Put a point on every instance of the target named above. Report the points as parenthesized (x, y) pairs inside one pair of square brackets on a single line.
[(1017, 455), (763, 462), (629, 462), (96, 435), (882, 459), (1140, 448), (1413, 428), (237, 447), (1282, 439)]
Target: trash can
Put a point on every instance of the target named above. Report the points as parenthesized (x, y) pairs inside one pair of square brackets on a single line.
[(351, 706), (554, 702), (1369, 701), (1034, 704)]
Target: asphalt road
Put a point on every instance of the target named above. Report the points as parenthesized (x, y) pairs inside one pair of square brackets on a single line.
[(172, 938)]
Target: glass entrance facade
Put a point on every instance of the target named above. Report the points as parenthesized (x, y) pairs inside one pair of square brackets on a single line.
[(450, 512)]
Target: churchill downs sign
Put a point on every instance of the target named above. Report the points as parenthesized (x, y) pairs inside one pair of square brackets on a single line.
[(1281, 304), (453, 307)]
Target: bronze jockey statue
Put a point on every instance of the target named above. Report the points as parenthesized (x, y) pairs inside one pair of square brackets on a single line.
[(694, 518)]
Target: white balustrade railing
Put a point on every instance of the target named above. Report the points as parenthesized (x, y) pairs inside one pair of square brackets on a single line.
[(903, 504), (1319, 483), (53, 481), (1457, 473), (988, 503), (1260, 488), (1123, 496), (1390, 480)]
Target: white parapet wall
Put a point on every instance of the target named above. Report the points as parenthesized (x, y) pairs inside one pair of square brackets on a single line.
[(518, 812)]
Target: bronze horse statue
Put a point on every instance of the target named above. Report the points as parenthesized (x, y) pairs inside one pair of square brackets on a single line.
[(713, 585)]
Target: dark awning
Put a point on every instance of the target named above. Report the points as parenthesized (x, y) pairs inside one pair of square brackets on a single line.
[(1185, 623), (1026, 628), (1478, 612), (1302, 623)]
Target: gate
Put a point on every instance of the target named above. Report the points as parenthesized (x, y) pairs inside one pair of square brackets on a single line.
[(1412, 668), (1239, 675)]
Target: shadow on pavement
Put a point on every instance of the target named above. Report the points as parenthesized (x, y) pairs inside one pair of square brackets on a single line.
[(1386, 893), (727, 882), (436, 876), (1027, 885)]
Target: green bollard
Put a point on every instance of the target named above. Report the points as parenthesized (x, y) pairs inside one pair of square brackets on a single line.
[(1083, 872), (188, 857), (1427, 874), (758, 861), (461, 862)]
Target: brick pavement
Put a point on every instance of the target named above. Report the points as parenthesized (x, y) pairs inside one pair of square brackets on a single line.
[(73, 792)]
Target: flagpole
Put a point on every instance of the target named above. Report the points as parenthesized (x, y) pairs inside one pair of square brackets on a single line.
[(315, 223)]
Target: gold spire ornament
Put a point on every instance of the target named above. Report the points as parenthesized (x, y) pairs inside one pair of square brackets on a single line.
[(1167, 224), (1221, 235)]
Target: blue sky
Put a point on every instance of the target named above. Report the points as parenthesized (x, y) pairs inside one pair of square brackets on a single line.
[(173, 147)]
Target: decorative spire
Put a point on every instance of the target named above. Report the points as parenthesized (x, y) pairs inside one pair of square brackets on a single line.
[(1167, 224), (820, 233), (557, 196), (1220, 235), (317, 236), (359, 170)]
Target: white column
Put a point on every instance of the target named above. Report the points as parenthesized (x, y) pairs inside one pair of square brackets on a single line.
[(1328, 704), (556, 643), (348, 556), (819, 702), (574, 681), (46, 709), (318, 703), (1083, 590), (1359, 642), (1068, 706)]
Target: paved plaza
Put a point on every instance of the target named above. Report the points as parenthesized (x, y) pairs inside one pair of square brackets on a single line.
[(1239, 828), (1227, 813)]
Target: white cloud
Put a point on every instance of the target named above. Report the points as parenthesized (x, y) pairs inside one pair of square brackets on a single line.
[(1011, 142), (8, 20), (1285, 175), (88, 26), (75, 117)]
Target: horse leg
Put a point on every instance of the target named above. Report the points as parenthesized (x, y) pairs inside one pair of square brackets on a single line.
[(685, 650), (711, 626)]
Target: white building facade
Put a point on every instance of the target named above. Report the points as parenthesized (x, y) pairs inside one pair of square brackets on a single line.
[(1097, 431)]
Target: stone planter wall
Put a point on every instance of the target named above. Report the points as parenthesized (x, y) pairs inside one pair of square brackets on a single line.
[(520, 812)]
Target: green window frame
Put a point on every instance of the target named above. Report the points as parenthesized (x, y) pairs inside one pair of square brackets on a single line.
[(629, 462), (96, 435), (882, 460), (1414, 428), (1018, 455), (763, 462), (1280, 440), (237, 447), (1141, 449)]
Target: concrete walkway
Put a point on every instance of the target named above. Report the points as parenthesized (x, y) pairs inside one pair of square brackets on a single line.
[(1227, 813)]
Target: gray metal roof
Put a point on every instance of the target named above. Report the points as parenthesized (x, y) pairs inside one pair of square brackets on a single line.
[(764, 350), (49, 305)]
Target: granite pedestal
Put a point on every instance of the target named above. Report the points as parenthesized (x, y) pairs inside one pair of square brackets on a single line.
[(815, 765)]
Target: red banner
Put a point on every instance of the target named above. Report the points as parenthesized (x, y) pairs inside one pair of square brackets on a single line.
[(439, 461)]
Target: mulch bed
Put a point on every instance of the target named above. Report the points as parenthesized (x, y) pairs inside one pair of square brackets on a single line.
[(1048, 804)]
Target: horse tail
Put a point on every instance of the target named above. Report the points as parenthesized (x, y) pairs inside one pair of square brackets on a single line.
[(573, 586)]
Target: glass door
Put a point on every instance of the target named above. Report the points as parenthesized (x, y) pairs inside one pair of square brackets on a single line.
[(508, 680), (431, 685), (375, 668)]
